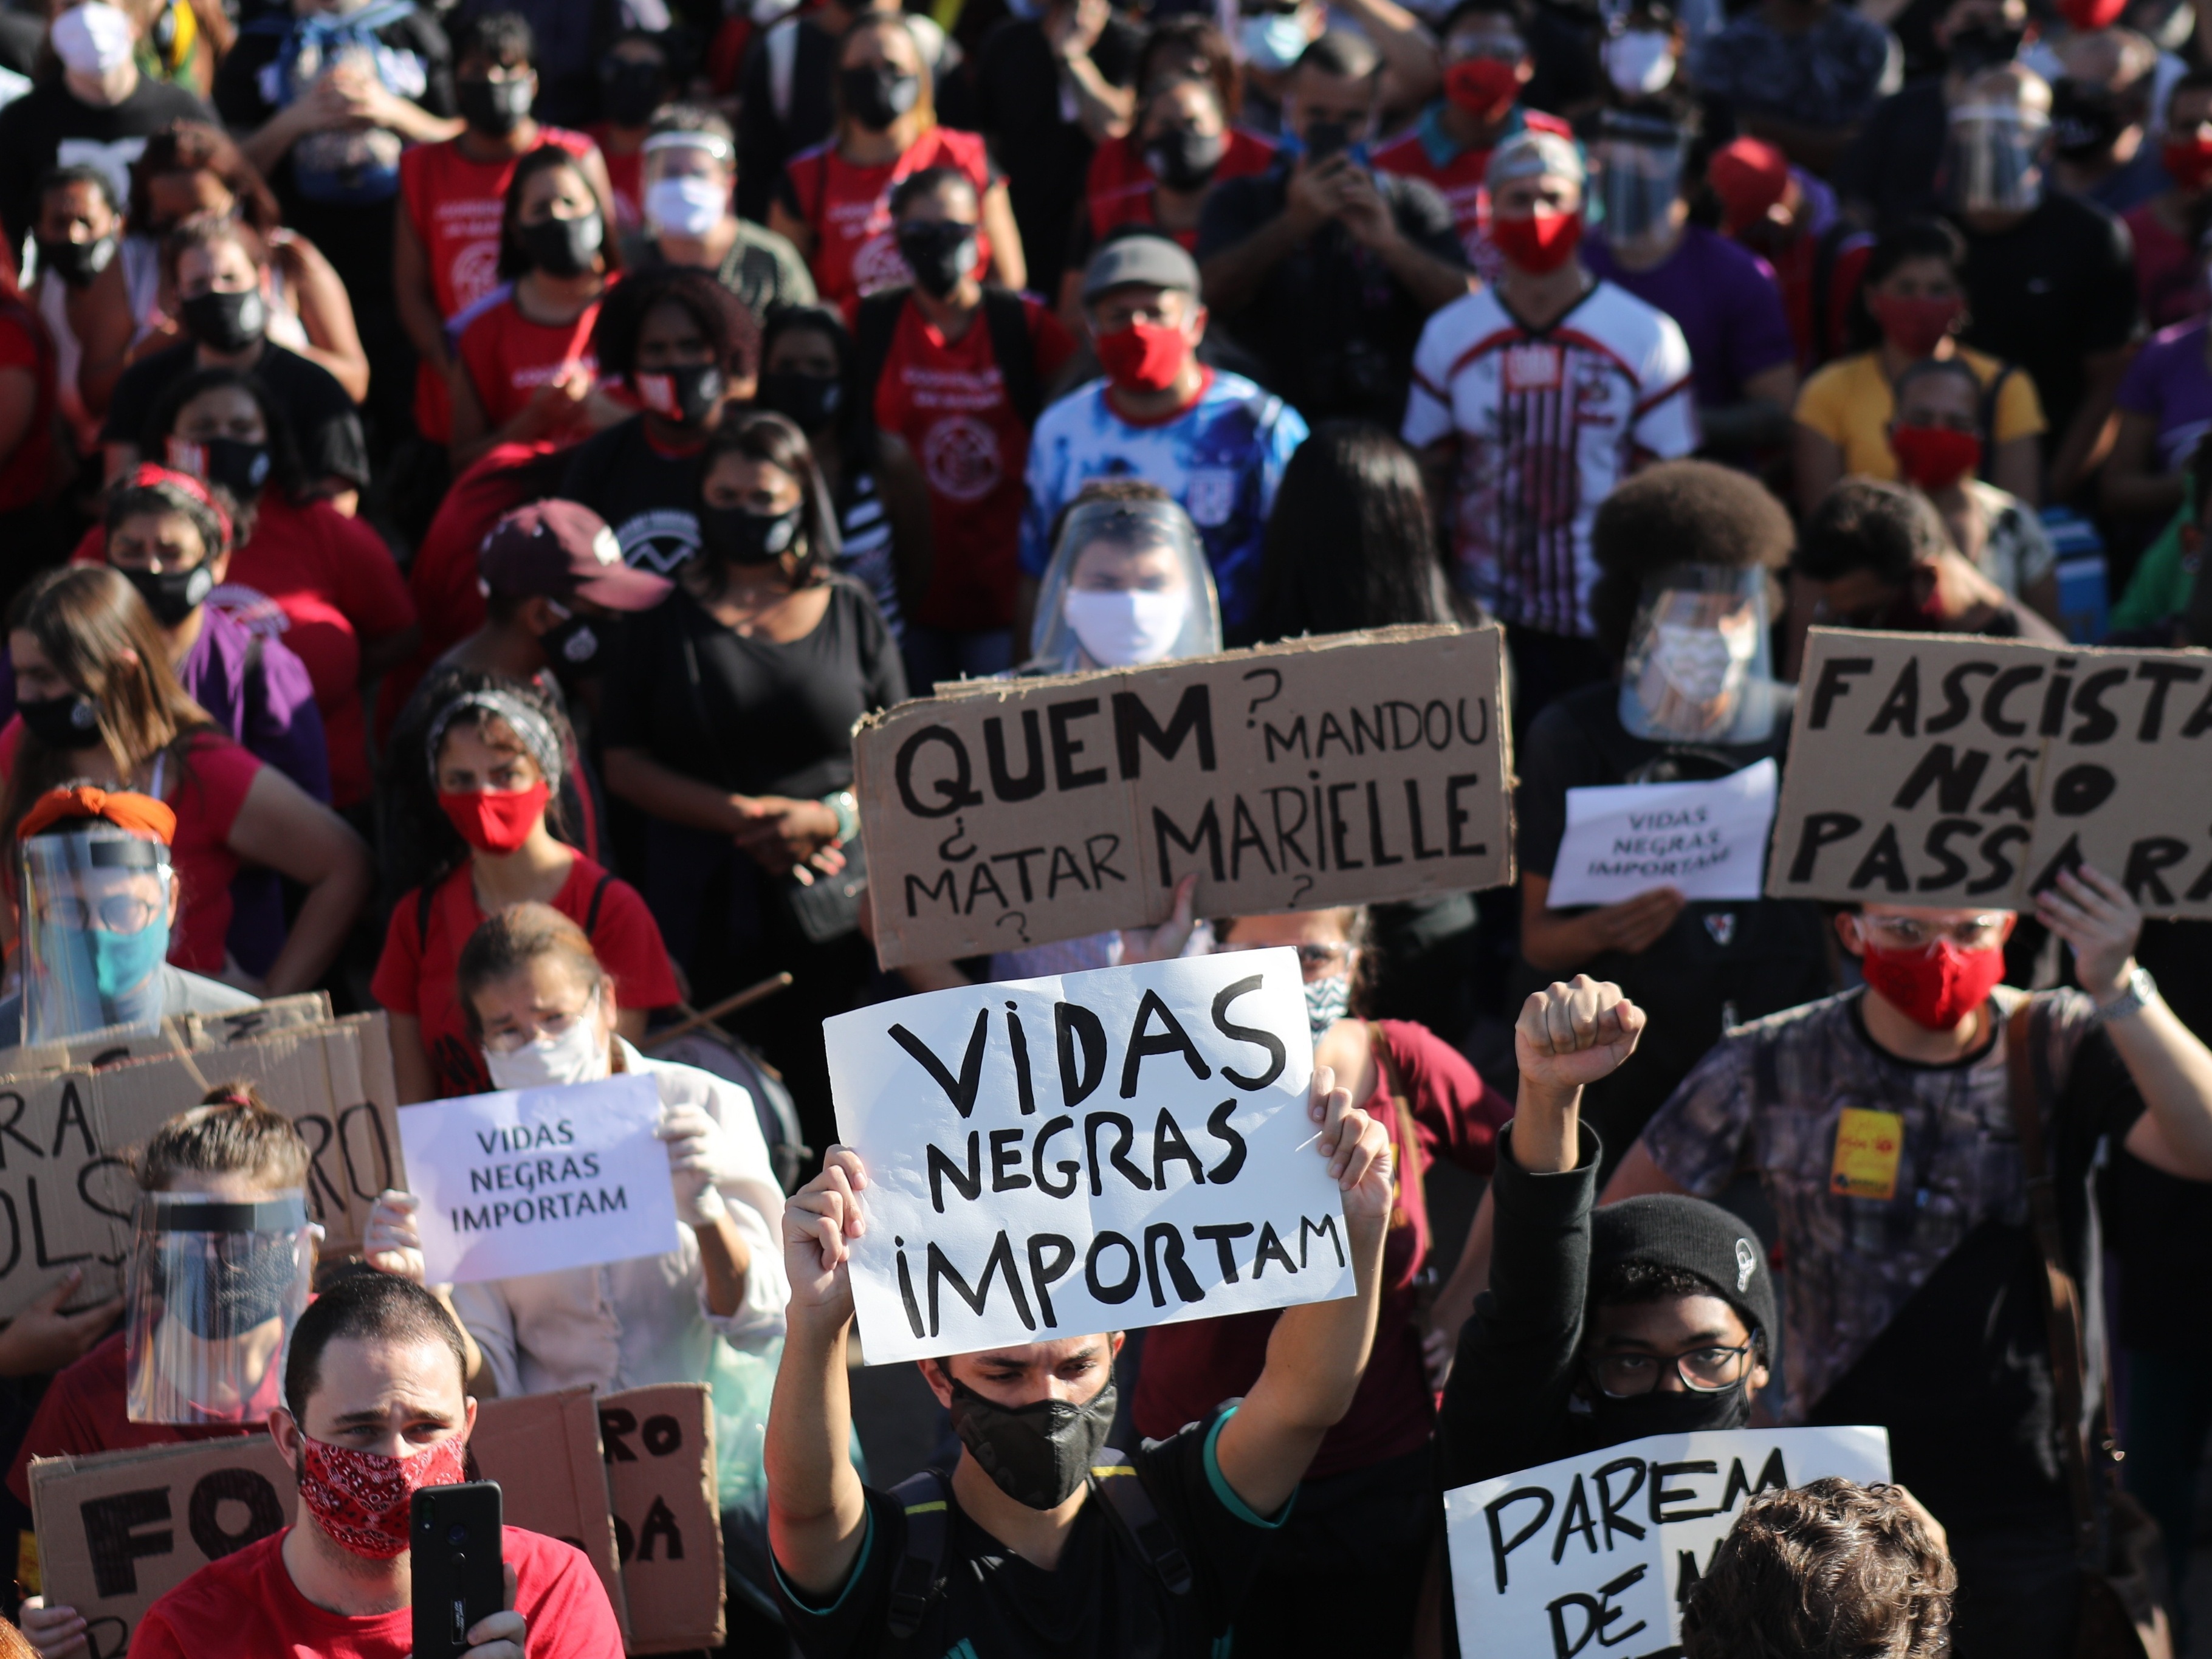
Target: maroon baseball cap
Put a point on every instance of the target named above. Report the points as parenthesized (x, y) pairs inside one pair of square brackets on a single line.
[(563, 549)]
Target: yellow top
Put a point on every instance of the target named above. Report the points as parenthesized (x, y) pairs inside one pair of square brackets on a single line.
[(1849, 404)]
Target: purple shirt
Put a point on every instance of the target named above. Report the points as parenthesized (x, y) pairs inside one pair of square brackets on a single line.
[(2169, 382), (1726, 301)]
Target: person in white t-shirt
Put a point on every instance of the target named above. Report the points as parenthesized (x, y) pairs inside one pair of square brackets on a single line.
[(1532, 398)]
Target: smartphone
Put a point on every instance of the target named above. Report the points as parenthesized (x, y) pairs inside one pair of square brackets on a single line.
[(459, 1575), (1325, 139)]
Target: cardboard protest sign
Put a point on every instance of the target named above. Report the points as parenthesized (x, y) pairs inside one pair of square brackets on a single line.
[(1339, 770), (1594, 1555), (532, 1180), (118, 1530), (543, 1450), (192, 1033), (65, 1187), (1706, 841), (658, 1444), (1949, 771), (1094, 1151)]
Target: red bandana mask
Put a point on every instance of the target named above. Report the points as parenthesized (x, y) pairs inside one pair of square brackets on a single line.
[(1935, 988), (361, 1498), (1144, 356), (1543, 241), (496, 822), (1917, 327), (1484, 87), (1935, 457), (2189, 161)]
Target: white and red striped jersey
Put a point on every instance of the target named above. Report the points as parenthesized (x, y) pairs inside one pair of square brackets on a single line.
[(1548, 421)]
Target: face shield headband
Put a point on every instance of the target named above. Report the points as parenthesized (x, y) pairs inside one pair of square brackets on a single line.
[(1700, 667), (1089, 626), (1639, 176), (213, 1292), (95, 933), (1995, 158)]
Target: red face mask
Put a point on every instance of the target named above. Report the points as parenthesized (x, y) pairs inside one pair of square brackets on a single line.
[(1935, 988), (1484, 87), (1935, 457), (2090, 15), (1144, 356), (361, 1498), (496, 822), (2189, 161), (1543, 241), (1915, 326)]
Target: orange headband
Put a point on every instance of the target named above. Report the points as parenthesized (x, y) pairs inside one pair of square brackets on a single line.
[(141, 815)]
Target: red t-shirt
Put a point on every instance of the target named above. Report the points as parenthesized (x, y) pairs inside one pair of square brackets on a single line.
[(949, 402), (848, 209), (1461, 181), (508, 357), (416, 973), (454, 204), (27, 472), (1797, 271), (1118, 189), (1192, 1367), (627, 174), (86, 1409), (246, 1603), (2165, 269), (206, 799)]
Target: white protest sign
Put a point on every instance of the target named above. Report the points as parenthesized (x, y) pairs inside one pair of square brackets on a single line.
[(1706, 841), (531, 1181), (1594, 1555), (1096, 1152)]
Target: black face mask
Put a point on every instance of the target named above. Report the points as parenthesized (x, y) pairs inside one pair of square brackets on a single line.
[(69, 722), (1667, 1411), (876, 94), (1038, 1455), (226, 322), (76, 263), (939, 252), (239, 467), (1983, 46), (493, 108), (735, 537), (686, 394), (222, 1295), (1183, 160), (2084, 120), (575, 648), (564, 247), (809, 402), (629, 93), (172, 595)]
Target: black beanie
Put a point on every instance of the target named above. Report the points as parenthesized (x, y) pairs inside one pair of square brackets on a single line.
[(1667, 1230)]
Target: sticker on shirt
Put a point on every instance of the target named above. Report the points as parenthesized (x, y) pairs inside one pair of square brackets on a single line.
[(659, 540), (1533, 366), (1869, 1146), (1210, 496), (961, 457)]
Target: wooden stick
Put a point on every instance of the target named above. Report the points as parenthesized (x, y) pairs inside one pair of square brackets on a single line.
[(694, 1018)]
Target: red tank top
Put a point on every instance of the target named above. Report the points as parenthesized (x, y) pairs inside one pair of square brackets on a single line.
[(848, 209)]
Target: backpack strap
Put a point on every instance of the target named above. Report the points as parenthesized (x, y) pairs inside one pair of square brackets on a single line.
[(598, 896), (1015, 347), (925, 1498), (1115, 1479), (873, 330)]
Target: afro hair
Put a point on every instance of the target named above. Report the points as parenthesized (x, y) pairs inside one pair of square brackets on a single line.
[(1675, 514)]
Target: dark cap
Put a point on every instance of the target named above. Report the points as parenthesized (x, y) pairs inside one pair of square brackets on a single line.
[(564, 551), (1669, 1230), (1139, 261)]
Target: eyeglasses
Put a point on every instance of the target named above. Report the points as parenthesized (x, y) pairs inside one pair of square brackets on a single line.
[(119, 913), (1316, 961), (1905, 934), (1702, 1370), (549, 1026)]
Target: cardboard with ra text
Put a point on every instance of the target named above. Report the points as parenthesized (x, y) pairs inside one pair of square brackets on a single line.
[(658, 1445)]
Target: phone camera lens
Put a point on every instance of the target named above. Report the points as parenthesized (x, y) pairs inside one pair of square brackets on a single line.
[(458, 1534)]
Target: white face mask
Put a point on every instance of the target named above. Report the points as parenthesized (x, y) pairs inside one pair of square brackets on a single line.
[(93, 39), (1128, 628), (686, 207), (1704, 665), (578, 1055), (1639, 62)]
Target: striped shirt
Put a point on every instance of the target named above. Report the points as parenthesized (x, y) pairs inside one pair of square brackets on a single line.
[(866, 555), (1548, 421)]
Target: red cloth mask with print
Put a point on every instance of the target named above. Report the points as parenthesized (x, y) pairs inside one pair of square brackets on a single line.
[(1484, 87), (1144, 356), (496, 821), (1937, 987), (361, 1498), (1935, 457), (1543, 241)]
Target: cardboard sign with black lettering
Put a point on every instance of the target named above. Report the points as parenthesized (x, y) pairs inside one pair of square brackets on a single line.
[(658, 1444), (65, 1187), (1956, 772), (1094, 1152), (194, 1033), (543, 1450), (1339, 770), (1593, 1554)]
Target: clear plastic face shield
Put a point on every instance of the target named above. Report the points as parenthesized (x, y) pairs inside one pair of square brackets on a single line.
[(96, 908), (214, 1290), (1639, 177), (1700, 667), (1127, 585), (1996, 158)]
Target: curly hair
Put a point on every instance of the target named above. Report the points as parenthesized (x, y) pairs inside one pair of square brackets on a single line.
[(1829, 1570), (1675, 514), (1868, 523), (730, 329)]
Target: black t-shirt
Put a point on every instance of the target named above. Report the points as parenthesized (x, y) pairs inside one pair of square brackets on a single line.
[(1892, 165), (1105, 1599), (648, 497), (48, 127), (753, 714), (325, 426), (767, 138), (2057, 287), (1047, 159), (1335, 328), (1722, 960)]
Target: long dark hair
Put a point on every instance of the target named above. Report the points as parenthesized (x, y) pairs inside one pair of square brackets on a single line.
[(759, 436), (1351, 542), (514, 257), (855, 422)]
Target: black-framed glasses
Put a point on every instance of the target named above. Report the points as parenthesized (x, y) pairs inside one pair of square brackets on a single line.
[(1702, 1370), (119, 913)]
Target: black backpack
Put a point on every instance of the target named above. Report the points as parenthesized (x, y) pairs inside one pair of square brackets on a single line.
[(1004, 315)]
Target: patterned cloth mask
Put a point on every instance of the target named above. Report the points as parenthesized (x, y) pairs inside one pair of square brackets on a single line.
[(361, 1498)]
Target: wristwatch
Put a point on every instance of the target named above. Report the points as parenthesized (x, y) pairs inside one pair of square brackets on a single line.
[(2142, 987), (847, 806)]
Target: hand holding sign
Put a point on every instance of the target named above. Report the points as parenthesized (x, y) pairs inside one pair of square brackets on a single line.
[(819, 1222), (1357, 1149)]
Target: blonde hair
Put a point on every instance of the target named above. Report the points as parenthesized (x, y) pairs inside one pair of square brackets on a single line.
[(509, 940), (925, 103)]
